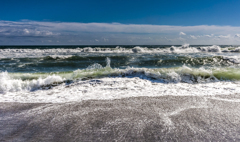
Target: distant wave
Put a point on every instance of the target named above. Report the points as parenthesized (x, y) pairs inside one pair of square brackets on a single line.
[(155, 60), (137, 49)]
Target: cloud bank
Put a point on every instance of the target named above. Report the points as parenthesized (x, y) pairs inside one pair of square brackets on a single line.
[(59, 33)]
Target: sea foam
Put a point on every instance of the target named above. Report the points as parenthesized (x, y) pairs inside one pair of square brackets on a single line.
[(186, 48), (117, 88), (9, 84), (12, 82)]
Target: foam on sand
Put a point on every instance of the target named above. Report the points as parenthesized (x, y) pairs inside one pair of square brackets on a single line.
[(116, 88), (174, 118)]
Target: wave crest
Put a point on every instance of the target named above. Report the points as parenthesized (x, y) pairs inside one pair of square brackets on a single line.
[(9, 84)]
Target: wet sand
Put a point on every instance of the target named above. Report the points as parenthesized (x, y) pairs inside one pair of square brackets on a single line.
[(166, 118)]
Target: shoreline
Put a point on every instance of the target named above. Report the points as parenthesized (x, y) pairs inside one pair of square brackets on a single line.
[(164, 118), (118, 88)]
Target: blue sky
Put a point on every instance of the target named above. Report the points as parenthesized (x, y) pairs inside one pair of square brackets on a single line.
[(31, 22)]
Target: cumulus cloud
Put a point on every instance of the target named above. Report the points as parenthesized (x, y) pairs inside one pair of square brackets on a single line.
[(209, 35), (21, 32), (237, 35), (193, 37), (182, 33), (26, 31), (222, 36), (181, 39), (13, 30)]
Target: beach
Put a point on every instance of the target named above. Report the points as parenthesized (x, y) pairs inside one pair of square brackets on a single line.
[(166, 118)]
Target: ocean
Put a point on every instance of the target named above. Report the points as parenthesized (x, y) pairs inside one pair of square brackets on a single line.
[(120, 93)]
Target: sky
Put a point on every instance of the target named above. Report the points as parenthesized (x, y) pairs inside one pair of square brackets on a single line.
[(119, 22)]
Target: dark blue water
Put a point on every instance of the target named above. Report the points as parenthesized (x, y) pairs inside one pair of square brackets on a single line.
[(31, 59)]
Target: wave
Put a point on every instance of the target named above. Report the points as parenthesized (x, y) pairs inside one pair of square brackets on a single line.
[(178, 74), (11, 82), (231, 49), (79, 58), (159, 60), (58, 57), (137, 49)]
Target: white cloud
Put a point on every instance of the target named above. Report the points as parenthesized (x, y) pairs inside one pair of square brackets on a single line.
[(209, 35), (182, 33), (26, 31), (193, 37), (105, 39), (181, 39), (237, 35), (115, 28), (114, 33), (222, 36)]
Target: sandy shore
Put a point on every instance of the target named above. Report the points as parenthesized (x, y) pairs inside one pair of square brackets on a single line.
[(166, 118)]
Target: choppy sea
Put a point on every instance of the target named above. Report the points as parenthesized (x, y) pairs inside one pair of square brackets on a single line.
[(126, 93), (131, 70)]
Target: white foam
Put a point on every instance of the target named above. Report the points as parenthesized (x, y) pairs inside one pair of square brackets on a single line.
[(116, 88), (236, 50), (29, 81), (87, 49), (183, 49), (232, 59), (9, 84), (137, 49), (60, 56), (213, 48), (55, 52), (185, 46), (224, 99)]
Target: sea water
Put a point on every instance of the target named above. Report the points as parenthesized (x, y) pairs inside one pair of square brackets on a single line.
[(75, 73)]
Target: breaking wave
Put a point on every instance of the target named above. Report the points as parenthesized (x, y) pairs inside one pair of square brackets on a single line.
[(11, 52), (11, 82)]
